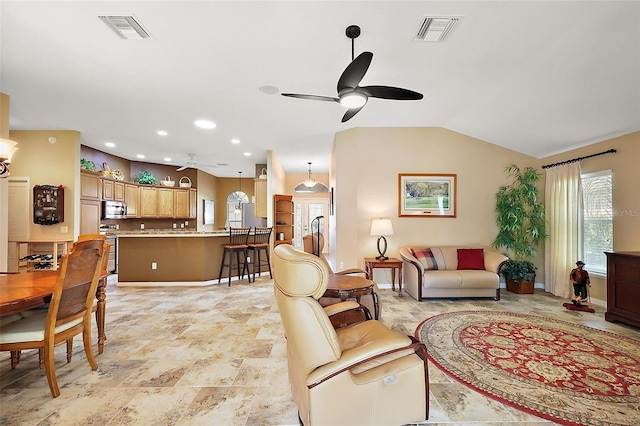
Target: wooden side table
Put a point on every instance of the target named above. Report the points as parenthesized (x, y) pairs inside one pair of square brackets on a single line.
[(392, 263)]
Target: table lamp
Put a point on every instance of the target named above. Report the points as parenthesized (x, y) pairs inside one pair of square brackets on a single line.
[(381, 227)]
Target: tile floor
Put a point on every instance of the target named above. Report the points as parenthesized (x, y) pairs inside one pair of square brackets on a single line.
[(216, 356)]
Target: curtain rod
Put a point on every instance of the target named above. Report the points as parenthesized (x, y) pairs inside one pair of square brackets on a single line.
[(573, 160)]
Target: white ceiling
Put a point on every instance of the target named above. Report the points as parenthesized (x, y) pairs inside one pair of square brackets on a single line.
[(537, 77)]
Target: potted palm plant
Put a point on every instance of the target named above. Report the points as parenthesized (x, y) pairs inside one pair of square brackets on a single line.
[(521, 227)]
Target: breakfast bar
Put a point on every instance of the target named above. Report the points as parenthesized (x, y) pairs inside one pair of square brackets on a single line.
[(181, 256)]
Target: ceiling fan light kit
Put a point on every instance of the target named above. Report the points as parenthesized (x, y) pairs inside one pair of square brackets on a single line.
[(350, 94), (353, 100)]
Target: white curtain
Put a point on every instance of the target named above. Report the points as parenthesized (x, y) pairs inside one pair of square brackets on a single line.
[(563, 201)]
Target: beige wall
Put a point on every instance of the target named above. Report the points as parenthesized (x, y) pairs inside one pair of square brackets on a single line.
[(4, 186), (51, 164), (368, 188), (626, 191)]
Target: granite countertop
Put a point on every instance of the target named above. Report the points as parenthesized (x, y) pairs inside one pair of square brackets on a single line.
[(165, 233)]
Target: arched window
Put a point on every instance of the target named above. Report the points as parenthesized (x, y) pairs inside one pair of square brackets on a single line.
[(234, 209)]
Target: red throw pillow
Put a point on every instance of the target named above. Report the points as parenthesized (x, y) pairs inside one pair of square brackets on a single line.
[(471, 259)]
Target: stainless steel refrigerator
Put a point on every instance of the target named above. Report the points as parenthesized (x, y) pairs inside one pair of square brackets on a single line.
[(249, 217)]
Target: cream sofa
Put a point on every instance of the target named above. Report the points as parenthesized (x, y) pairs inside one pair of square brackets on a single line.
[(433, 272)]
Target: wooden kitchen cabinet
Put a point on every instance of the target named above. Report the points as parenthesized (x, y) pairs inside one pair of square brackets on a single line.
[(131, 198), (90, 186), (193, 204), (165, 202), (113, 190), (89, 217), (260, 192), (148, 198), (181, 203)]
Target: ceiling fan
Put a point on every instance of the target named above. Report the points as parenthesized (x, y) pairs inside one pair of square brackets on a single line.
[(192, 163), (351, 95)]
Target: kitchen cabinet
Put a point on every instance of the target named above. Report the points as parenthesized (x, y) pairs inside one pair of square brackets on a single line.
[(148, 198), (90, 186), (90, 195), (89, 217), (623, 287), (113, 190), (131, 198), (165, 202), (193, 204), (181, 204), (260, 192), (284, 219)]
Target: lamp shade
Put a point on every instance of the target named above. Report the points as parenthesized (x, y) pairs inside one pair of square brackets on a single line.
[(381, 227), (7, 148)]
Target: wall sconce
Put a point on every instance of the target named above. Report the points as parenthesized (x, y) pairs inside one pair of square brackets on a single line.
[(381, 227), (7, 149)]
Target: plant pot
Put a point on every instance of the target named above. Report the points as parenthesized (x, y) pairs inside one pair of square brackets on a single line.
[(520, 286)]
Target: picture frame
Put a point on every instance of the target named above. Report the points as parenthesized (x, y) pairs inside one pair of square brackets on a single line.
[(427, 195), (208, 212)]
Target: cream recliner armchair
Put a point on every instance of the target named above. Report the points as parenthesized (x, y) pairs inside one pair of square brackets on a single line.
[(363, 374)]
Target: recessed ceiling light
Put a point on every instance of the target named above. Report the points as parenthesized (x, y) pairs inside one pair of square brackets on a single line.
[(236, 141), (162, 133), (167, 159), (140, 156), (247, 154), (205, 124), (110, 144)]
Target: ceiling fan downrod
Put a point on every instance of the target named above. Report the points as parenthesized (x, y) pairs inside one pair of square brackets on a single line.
[(352, 31)]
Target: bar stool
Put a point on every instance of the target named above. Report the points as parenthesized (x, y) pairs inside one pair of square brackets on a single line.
[(238, 245), (260, 242)]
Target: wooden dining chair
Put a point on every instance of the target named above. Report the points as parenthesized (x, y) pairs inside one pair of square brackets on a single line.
[(68, 315), (99, 305)]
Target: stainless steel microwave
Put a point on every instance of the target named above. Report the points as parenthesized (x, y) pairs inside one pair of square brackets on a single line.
[(114, 210)]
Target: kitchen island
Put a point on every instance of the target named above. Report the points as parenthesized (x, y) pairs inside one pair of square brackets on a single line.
[(170, 257)]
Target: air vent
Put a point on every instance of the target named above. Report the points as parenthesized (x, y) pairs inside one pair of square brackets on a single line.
[(126, 26), (436, 28)]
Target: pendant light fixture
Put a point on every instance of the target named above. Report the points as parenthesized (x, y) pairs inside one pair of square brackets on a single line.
[(309, 183), (238, 208)]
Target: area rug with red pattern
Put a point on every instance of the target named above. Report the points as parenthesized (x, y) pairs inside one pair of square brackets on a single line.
[(568, 373)]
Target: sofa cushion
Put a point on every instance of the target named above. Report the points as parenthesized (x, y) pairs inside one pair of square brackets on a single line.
[(442, 279), (471, 259), (426, 258)]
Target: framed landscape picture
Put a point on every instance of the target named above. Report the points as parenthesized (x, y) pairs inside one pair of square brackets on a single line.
[(426, 195)]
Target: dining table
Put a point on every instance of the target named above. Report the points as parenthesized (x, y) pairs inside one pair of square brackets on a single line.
[(22, 291)]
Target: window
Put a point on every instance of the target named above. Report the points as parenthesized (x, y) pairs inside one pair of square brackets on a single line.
[(234, 209), (597, 235)]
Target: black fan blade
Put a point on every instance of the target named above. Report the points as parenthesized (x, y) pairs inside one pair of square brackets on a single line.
[(350, 113), (355, 71), (311, 97), (387, 92)]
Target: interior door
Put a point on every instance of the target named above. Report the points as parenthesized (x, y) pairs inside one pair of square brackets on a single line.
[(306, 222), (18, 217)]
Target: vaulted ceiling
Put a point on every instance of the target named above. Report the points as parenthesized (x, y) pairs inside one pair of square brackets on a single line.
[(536, 77)]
